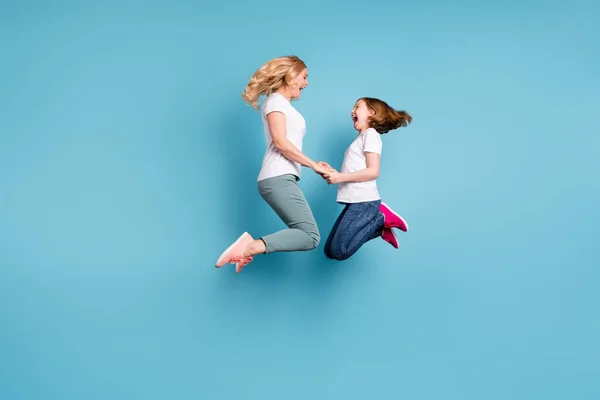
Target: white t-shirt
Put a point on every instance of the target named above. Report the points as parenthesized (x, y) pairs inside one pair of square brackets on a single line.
[(274, 163), (355, 160)]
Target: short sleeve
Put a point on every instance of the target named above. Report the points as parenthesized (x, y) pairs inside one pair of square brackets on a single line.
[(372, 142), (275, 103)]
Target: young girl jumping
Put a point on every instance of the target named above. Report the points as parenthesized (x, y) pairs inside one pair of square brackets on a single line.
[(364, 216)]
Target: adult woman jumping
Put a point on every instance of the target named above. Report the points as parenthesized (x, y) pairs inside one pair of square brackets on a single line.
[(282, 81)]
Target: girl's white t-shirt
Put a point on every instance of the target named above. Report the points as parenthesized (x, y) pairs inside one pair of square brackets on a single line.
[(274, 163), (355, 160)]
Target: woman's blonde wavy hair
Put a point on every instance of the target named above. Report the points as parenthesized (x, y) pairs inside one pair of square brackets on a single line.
[(271, 76)]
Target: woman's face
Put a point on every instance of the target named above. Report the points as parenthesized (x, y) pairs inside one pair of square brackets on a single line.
[(298, 84)]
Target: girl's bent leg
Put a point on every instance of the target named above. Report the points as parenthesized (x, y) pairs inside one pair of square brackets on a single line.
[(361, 222), (334, 228)]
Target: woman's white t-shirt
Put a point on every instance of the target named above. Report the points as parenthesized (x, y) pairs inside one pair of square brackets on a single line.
[(274, 163), (355, 160)]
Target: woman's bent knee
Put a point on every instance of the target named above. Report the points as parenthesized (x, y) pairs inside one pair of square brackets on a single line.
[(315, 237)]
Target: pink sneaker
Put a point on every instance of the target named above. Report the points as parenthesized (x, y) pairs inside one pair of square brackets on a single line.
[(233, 254), (389, 236), (392, 219), (241, 263)]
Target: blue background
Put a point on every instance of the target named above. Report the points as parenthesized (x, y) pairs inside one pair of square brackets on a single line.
[(128, 163)]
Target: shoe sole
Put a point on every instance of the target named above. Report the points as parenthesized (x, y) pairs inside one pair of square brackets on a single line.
[(396, 214), (228, 249), (238, 269), (396, 239)]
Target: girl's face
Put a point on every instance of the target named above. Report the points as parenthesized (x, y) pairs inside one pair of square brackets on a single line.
[(298, 84), (360, 115)]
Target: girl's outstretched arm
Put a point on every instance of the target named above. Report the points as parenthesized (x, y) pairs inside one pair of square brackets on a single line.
[(367, 174)]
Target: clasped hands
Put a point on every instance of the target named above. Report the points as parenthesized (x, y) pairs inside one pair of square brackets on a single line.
[(328, 173)]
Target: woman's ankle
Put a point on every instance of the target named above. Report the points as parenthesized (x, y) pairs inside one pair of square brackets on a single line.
[(258, 246)]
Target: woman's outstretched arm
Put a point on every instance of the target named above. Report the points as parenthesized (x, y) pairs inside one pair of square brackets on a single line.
[(276, 121)]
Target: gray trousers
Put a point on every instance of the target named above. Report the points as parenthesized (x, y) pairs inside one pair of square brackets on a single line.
[(284, 196)]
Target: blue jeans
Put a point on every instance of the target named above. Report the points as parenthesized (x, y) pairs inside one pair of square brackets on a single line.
[(357, 224)]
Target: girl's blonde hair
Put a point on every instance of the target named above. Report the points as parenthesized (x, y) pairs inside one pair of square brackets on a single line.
[(385, 118), (271, 76)]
